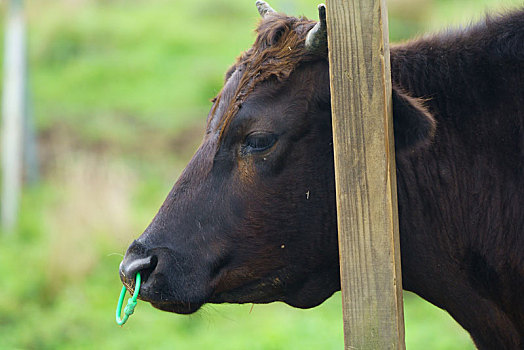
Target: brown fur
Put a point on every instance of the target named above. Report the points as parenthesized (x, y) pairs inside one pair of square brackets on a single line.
[(277, 51)]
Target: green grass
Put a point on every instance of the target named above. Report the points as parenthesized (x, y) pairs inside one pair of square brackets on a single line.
[(121, 91)]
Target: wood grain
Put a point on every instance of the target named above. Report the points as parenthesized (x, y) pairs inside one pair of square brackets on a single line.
[(365, 174)]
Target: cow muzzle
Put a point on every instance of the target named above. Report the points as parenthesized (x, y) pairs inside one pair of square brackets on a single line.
[(169, 281)]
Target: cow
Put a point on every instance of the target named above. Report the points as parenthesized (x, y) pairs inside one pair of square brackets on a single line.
[(252, 218)]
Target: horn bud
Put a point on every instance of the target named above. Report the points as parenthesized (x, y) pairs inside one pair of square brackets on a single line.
[(316, 40), (263, 8)]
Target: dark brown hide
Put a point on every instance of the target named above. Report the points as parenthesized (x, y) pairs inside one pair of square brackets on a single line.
[(252, 218), (461, 207)]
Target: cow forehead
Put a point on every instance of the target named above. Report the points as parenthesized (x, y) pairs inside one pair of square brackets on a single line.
[(278, 49), (223, 101)]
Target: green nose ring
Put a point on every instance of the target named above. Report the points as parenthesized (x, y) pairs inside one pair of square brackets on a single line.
[(131, 302)]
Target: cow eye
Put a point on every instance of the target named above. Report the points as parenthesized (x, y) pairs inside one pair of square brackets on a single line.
[(259, 141)]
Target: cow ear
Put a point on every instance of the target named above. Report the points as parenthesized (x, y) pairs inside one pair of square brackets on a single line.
[(413, 125)]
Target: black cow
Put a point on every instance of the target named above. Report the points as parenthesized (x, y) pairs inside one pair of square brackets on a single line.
[(252, 217)]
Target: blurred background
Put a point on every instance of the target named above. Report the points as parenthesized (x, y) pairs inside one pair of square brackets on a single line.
[(118, 95)]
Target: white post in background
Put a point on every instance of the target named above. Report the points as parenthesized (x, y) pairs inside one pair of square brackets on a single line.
[(13, 112)]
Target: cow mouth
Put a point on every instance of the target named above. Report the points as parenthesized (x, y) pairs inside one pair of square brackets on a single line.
[(155, 291), (258, 291), (178, 308), (159, 301)]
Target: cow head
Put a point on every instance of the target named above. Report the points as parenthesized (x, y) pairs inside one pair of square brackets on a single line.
[(252, 218)]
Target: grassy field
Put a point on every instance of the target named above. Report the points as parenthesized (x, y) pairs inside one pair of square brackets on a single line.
[(120, 94)]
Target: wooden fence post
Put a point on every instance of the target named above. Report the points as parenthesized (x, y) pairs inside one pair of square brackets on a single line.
[(365, 174)]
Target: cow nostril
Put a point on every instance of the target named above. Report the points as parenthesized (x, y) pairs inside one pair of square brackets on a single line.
[(130, 267), (147, 271)]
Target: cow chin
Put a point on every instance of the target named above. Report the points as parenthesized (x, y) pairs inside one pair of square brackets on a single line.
[(315, 289)]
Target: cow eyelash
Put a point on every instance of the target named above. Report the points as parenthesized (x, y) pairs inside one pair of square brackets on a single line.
[(258, 142)]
